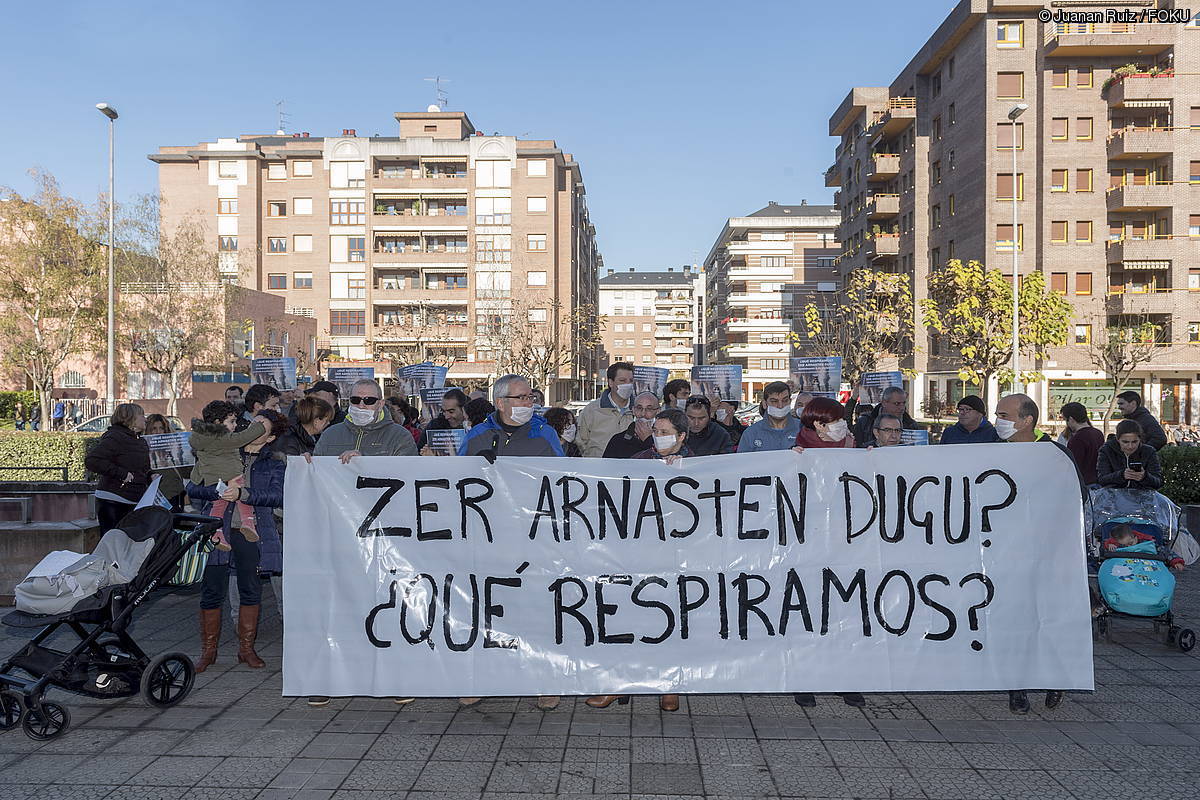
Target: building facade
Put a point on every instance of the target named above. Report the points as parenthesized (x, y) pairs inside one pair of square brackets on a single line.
[(1105, 129), (762, 271), (651, 319), (428, 245)]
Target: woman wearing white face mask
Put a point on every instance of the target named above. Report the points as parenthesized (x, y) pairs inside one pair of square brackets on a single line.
[(563, 422), (823, 424)]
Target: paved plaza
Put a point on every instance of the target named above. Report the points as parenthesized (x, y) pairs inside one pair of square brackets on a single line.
[(236, 738)]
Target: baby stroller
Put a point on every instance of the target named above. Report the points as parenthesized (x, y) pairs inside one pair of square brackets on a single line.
[(107, 662), (1134, 582)]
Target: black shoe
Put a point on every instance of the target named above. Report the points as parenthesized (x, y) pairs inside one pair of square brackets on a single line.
[(854, 699), (805, 700), (1018, 702), (1054, 698)]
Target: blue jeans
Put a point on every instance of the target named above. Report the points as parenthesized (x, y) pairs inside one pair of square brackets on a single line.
[(216, 576)]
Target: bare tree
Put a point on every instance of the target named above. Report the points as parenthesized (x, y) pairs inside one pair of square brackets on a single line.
[(1122, 349), (426, 334), (51, 284)]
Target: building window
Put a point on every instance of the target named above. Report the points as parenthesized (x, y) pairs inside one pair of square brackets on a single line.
[(347, 323), (1083, 77), (1083, 231), (1058, 231), (347, 212), (1004, 236), (301, 280), (227, 206), (1083, 129), (277, 281), (302, 206), (1083, 283), (227, 244), (1005, 186), (936, 172), (535, 168), (1060, 78), (536, 278), (277, 244), (1058, 129), (936, 84), (1010, 85), (227, 169), (772, 261), (302, 243), (535, 205), (537, 315), (1194, 172), (1083, 334), (950, 205), (356, 248), (1058, 282), (277, 208), (536, 241), (935, 217), (950, 113), (1058, 180), (1083, 180), (1010, 34), (356, 288), (276, 172), (936, 131), (302, 169), (772, 363), (1194, 279), (1004, 135)]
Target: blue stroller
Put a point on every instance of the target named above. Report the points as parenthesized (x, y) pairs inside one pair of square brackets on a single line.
[(1134, 582)]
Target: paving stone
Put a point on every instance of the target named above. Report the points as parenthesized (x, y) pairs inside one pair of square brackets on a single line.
[(382, 776), (801, 781), (64, 792), (954, 784), (666, 779), (743, 781), (887, 783), (592, 778), (175, 771), (37, 768), (114, 770), (453, 776), (451, 747), (512, 776), (239, 771), (402, 747)]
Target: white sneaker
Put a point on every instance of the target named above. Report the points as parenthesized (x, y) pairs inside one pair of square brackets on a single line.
[(403, 701)]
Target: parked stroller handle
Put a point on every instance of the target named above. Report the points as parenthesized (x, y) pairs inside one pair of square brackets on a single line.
[(198, 520)]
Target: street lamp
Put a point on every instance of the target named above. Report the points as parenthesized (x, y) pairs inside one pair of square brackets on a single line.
[(1016, 111), (111, 113)]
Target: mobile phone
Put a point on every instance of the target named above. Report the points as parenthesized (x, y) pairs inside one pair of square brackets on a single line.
[(1136, 466)]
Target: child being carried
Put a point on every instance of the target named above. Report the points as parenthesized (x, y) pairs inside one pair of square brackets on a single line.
[(217, 443)]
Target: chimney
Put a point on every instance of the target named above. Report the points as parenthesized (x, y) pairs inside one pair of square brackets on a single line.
[(771, 203), (304, 135), (349, 132), (631, 269), (295, 136), (670, 269), (479, 133), (611, 271), (803, 202)]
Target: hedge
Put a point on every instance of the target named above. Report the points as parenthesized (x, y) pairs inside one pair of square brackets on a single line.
[(44, 449), (8, 403), (1181, 473)]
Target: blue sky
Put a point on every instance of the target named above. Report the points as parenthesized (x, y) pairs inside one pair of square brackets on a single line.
[(680, 113)]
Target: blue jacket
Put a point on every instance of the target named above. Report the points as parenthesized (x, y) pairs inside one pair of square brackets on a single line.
[(265, 495), (761, 437), (541, 439), (957, 434)]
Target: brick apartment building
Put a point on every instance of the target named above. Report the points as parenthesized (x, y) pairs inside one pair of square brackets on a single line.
[(652, 319), (763, 269), (408, 246), (1106, 182)]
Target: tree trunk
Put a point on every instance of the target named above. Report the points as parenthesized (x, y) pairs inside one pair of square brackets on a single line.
[(44, 397), (1118, 387), (172, 391)]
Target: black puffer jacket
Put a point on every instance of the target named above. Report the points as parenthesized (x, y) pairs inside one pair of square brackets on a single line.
[(1111, 464), (121, 452)]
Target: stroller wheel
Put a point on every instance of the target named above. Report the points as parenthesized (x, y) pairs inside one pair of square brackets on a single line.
[(168, 679), (48, 723), (1186, 639), (11, 710)]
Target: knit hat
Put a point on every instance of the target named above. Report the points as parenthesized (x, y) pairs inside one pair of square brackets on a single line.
[(972, 401)]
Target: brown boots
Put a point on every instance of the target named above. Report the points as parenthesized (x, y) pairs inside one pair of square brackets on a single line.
[(247, 632), (210, 636)]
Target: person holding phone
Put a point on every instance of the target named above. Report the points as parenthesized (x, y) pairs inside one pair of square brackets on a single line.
[(1127, 462)]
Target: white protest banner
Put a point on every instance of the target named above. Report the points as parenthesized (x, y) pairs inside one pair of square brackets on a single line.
[(829, 570)]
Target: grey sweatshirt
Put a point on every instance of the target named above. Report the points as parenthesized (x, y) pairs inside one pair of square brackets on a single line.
[(383, 437)]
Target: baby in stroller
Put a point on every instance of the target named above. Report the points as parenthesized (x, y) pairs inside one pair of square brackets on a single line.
[(1123, 535)]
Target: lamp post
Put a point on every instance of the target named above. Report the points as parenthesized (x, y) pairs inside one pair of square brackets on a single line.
[(1015, 112), (111, 113)]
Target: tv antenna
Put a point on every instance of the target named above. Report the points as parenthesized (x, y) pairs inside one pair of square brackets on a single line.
[(283, 118), (440, 97)]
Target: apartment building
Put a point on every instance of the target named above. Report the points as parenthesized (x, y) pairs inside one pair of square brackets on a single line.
[(1103, 119), (430, 245), (651, 319), (762, 271)]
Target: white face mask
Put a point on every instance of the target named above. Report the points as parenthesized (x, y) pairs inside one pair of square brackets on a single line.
[(777, 412), (1005, 428), (568, 434), (664, 443), (837, 431), (362, 415), (681, 403), (625, 390), (722, 414), (522, 414)]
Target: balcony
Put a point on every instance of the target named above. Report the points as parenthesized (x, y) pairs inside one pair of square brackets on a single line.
[(880, 206), (1141, 197), (1155, 301), (769, 324), (425, 332), (1142, 86), (884, 245), (384, 219), (419, 295), (411, 175), (883, 166), (833, 177), (899, 114), (1146, 143), (1165, 248), (1108, 39)]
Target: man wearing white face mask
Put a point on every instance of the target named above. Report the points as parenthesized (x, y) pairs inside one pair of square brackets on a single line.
[(609, 414), (512, 429), (368, 429), (778, 428), (676, 393)]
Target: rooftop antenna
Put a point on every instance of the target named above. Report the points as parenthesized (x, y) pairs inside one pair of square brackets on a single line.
[(283, 118), (440, 96)]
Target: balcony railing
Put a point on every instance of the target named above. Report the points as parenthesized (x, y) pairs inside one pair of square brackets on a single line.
[(833, 177), (1148, 142), (883, 166), (1134, 196), (1111, 38), (1141, 86), (883, 245)]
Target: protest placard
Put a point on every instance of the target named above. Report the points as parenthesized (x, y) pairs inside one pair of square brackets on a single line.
[(871, 388), (170, 450), (718, 381), (278, 373), (819, 376)]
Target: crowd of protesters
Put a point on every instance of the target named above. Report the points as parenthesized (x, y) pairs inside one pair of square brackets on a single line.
[(253, 433)]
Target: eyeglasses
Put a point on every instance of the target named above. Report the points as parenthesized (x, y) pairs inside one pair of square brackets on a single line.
[(888, 430), (521, 397), (366, 401)]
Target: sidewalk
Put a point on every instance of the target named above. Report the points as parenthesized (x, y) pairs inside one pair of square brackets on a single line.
[(236, 738)]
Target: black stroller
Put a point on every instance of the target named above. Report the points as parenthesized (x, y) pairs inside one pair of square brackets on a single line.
[(107, 662)]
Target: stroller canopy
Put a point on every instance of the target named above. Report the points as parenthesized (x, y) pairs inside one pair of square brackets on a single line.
[(1111, 504)]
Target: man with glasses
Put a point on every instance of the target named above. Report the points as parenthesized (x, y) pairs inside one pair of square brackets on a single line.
[(705, 437), (636, 437), (512, 430), (887, 430), (368, 429), (607, 415), (972, 426)]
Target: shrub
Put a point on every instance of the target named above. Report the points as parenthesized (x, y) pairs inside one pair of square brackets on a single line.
[(8, 403), (1181, 474), (44, 449)]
